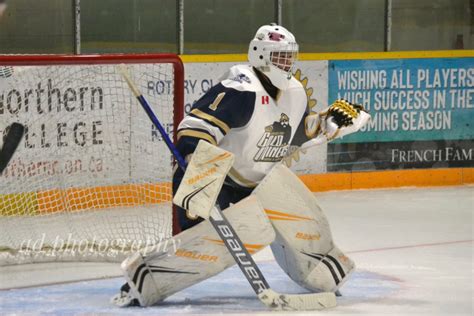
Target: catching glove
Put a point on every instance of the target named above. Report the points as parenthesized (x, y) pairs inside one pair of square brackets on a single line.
[(340, 119)]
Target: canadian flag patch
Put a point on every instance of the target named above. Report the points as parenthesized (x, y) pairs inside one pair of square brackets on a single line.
[(265, 99)]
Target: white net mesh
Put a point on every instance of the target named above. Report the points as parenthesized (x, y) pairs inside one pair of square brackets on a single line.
[(91, 178)]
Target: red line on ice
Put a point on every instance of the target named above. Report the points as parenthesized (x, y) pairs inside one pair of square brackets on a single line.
[(413, 246)]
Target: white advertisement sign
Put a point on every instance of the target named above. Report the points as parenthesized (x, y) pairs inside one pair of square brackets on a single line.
[(84, 127)]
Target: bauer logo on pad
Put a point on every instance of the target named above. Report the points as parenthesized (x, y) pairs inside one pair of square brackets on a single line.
[(203, 179)]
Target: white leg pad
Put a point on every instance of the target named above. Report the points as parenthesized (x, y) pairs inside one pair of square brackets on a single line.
[(303, 246), (200, 254), (331, 273)]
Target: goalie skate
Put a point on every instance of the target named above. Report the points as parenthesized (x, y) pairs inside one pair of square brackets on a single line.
[(124, 298)]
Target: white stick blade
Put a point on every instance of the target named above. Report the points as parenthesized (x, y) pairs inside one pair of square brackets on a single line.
[(298, 302)]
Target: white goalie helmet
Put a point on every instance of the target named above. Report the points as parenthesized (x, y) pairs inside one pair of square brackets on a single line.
[(274, 51)]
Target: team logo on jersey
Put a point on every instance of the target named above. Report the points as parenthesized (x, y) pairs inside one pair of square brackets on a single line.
[(274, 143), (265, 99)]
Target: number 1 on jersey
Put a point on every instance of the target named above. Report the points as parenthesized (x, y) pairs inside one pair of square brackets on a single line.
[(216, 102)]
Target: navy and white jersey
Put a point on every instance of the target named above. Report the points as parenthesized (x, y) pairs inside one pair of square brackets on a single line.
[(239, 115)]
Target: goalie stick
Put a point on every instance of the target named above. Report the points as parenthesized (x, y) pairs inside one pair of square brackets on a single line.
[(272, 299), (10, 144)]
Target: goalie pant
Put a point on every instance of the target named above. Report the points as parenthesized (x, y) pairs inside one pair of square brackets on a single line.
[(281, 212)]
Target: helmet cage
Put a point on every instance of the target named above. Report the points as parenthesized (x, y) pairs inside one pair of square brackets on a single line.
[(274, 52), (284, 57)]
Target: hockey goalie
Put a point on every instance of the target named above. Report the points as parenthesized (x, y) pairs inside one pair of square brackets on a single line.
[(235, 138)]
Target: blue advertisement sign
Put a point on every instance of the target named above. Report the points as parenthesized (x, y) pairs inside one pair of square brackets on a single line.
[(409, 99)]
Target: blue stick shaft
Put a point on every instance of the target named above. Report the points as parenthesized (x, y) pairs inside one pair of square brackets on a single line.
[(181, 162)]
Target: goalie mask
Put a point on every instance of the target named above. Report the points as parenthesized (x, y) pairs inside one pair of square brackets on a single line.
[(273, 51)]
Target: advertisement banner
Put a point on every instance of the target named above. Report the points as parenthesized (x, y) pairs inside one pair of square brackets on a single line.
[(422, 113), (400, 155)]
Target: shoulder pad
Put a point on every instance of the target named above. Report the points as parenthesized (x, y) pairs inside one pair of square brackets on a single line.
[(242, 78)]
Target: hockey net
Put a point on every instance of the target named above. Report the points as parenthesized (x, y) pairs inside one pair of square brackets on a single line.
[(90, 181)]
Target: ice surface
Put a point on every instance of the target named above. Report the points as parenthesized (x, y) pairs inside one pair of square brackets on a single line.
[(413, 249)]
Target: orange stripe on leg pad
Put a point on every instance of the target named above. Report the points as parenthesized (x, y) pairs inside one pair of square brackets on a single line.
[(286, 216), (251, 248)]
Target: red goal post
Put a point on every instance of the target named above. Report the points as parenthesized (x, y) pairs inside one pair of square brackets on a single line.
[(91, 171)]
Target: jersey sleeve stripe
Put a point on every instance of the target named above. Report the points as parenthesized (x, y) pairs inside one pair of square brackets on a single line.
[(197, 134), (195, 123), (212, 120)]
